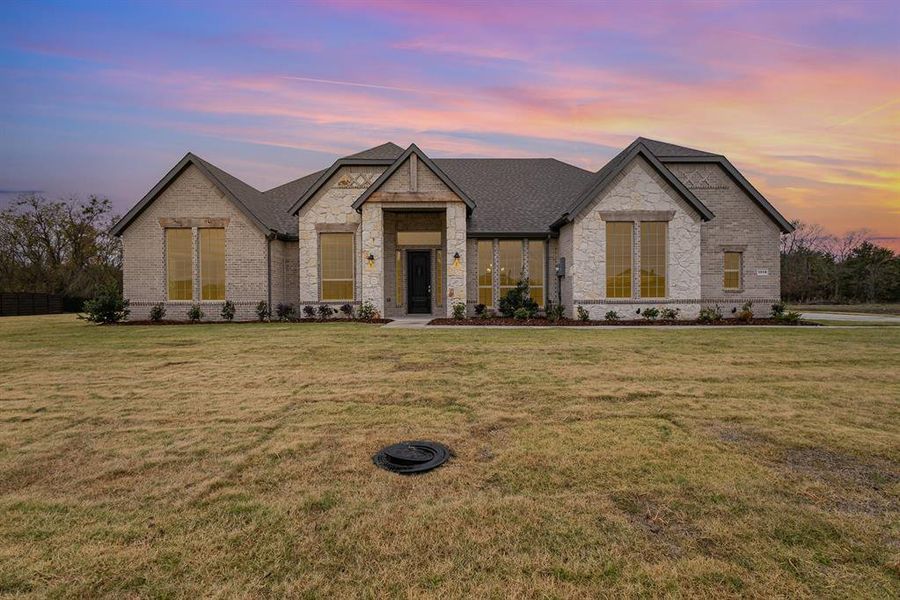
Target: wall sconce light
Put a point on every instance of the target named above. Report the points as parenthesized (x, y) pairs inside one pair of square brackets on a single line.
[(370, 259), (456, 259)]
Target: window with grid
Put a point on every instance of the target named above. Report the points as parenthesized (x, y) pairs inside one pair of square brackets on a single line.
[(179, 264), (439, 277), (510, 265), (486, 272), (653, 259), (732, 271), (536, 271), (618, 259), (336, 260), (212, 264)]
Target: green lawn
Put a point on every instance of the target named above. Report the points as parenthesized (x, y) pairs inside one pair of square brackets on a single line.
[(234, 461)]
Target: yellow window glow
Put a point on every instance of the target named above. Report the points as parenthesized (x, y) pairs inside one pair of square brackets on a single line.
[(212, 264), (536, 270), (179, 264), (418, 238), (732, 271), (510, 264), (653, 259), (486, 272), (398, 269), (439, 277), (336, 260), (618, 259)]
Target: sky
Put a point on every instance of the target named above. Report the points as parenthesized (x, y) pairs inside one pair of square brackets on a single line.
[(803, 97)]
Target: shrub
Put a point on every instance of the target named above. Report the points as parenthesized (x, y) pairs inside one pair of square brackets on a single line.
[(309, 311), (480, 309), (517, 298), (582, 313), (522, 313), (228, 310), (195, 313), (778, 309), (746, 312), (459, 310), (791, 317), (555, 312), (367, 311), (612, 316), (325, 311), (285, 311), (669, 314), (488, 314), (710, 314), (157, 312), (651, 313), (107, 306), (347, 310), (262, 311)]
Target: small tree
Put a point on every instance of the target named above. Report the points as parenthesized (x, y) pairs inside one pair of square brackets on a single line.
[(195, 313), (517, 298), (228, 310), (108, 306), (157, 312), (459, 310)]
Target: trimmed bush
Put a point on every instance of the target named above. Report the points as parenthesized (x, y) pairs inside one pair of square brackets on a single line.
[(367, 311), (612, 316), (710, 314), (778, 309), (195, 314), (459, 310), (157, 312), (583, 314), (522, 313), (228, 310), (791, 317), (555, 312), (669, 314), (347, 310), (285, 311), (746, 312), (325, 311), (650, 313), (108, 306), (480, 309), (517, 298), (309, 311), (262, 311)]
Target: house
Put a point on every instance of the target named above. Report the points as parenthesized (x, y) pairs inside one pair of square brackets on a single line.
[(660, 225)]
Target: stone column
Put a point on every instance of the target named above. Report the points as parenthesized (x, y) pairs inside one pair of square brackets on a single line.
[(456, 243), (373, 244)]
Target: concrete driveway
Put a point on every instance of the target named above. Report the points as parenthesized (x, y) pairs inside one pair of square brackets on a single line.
[(851, 317)]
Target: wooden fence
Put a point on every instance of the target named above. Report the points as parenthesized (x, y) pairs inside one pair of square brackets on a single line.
[(23, 303)]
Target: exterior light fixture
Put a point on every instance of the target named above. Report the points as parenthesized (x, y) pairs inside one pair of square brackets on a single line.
[(371, 260), (456, 259)]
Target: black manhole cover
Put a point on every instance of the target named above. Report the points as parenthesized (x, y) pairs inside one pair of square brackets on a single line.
[(411, 457)]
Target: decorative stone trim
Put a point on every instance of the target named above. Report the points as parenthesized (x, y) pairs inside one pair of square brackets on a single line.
[(337, 227), (636, 215), (407, 197), (732, 247), (656, 301), (185, 222)]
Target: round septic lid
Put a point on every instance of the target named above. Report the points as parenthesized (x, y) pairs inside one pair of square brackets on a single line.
[(415, 456)]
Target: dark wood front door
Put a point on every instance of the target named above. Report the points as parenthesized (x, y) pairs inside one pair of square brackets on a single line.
[(418, 283)]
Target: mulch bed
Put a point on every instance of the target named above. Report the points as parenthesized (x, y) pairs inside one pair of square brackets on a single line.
[(542, 322), (333, 320)]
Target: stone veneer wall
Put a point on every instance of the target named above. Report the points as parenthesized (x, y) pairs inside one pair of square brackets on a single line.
[(331, 209), (740, 225), (638, 188), (410, 221), (192, 196)]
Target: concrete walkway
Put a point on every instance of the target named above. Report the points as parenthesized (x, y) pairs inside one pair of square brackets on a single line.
[(409, 322), (851, 317)]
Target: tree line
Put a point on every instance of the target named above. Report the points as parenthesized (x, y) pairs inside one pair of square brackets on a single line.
[(65, 247)]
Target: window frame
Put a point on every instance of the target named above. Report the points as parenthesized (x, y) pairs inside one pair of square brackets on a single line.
[(200, 268), (489, 271), (352, 279), (543, 270), (438, 296), (611, 285), (657, 292), (190, 261), (738, 271)]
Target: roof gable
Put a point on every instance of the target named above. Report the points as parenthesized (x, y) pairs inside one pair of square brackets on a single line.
[(413, 149), (241, 194), (605, 176)]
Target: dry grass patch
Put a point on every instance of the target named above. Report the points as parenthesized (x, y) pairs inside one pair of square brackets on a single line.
[(235, 461)]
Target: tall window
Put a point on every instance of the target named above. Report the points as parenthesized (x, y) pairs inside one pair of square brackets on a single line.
[(439, 277), (732, 271), (618, 259), (536, 270), (653, 259), (212, 264), (510, 264), (336, 260), (398, 277), (486, 272), (179, 247)]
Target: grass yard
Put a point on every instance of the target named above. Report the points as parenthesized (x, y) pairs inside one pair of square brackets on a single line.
[(234, 461)]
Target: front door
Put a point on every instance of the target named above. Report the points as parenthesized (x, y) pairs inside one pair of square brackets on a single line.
[(418, 284)]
